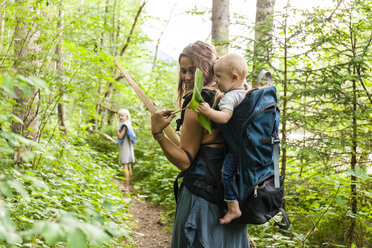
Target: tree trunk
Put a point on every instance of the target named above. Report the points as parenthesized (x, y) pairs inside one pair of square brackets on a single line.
[(264, 27), (284, 109), (2, 23), (220, 25), (59, 67), (353, 188), (113, 40), (26, 107)]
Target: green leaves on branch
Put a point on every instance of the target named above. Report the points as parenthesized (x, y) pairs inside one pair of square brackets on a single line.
[(197, 99), (8, 84)]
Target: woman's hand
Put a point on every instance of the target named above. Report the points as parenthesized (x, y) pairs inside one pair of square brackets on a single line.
[(161, 119)]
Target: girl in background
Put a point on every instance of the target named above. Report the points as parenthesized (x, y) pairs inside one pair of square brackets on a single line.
[(126, 138)]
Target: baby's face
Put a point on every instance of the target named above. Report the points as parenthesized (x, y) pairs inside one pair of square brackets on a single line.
[(123, 117), (224, 78)]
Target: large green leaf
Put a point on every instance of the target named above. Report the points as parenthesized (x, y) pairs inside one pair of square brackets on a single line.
[(77, 239), (197, 99)]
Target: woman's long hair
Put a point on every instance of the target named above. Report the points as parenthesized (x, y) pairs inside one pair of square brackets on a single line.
[(203, 56)]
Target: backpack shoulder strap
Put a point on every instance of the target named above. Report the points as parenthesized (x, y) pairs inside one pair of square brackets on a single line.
[(275, 140)]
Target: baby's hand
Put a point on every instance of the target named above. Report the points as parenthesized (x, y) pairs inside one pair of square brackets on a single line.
[(203, 108)]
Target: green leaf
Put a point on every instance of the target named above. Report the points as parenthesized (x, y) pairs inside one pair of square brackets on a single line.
[(77, 239), (15, 118), (40, 84), (27, 155), (53, 233), (7, 84), (7, 228), (5, 189), (25, 89), (197, 99), (18, 187)]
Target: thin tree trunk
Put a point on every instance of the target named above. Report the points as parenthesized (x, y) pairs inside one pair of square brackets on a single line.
[(27, 107), (113, 41), (220, 25), (104, 24), (118, 25), (59, 67), (99, 111), (264, 26), (353, 188), (284, 109), (2, 24)]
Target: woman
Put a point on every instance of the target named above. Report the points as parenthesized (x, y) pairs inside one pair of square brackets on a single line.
[(196, 221)]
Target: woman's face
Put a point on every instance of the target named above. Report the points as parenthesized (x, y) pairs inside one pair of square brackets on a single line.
[(187, 72)]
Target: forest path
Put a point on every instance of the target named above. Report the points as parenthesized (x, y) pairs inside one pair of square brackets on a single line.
[(149, 229)]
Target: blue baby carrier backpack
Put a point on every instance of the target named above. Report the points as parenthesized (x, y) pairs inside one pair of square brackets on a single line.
[(252, 135)]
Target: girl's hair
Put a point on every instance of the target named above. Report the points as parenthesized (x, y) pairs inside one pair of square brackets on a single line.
[(125, 112), (202, 55)]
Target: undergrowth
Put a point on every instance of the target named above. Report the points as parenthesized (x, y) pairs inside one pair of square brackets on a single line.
[(64, 196)]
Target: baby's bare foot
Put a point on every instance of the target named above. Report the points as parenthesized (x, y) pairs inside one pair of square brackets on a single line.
[(230, 215)]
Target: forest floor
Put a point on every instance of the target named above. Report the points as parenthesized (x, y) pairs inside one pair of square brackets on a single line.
[(149, 229)]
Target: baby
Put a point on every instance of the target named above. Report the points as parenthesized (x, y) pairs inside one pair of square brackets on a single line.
[(230, 71)]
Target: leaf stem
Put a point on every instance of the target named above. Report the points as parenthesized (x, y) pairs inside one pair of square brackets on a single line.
[(179, 110)]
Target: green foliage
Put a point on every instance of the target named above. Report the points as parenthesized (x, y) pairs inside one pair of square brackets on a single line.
[(70, 198), (321, 67)]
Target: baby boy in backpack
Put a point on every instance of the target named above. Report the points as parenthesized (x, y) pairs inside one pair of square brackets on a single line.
[(230, 71)]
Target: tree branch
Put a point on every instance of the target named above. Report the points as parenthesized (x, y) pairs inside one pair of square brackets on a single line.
[(133, 26), (161, 35), (111, 109), (338, 5)]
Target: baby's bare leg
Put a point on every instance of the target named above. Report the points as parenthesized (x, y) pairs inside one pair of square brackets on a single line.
[(233, 212)]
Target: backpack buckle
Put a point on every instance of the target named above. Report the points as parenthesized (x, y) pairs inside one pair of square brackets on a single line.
[(270, 140), (209, 188), (275, 140)]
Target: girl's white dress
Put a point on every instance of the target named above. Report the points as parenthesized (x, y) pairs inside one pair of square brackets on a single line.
[(126, 153)]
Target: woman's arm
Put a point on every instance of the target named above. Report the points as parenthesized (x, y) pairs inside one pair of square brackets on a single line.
[(190, 137), (122, 133)]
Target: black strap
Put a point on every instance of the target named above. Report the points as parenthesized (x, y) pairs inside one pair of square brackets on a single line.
[(176, 188), (190, 157), (286, 220)]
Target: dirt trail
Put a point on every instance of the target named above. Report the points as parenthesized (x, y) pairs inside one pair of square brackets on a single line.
[(150, 232)]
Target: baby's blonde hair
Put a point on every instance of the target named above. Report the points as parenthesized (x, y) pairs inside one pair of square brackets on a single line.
[(125, 112), (235, 63)]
